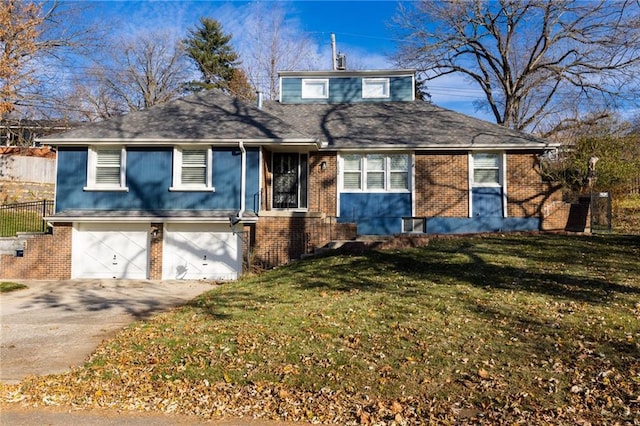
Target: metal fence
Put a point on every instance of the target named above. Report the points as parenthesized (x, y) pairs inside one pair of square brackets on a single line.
[(24, 217)]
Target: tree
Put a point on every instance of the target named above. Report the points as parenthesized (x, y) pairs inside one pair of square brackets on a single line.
[(615, 145), (211, 51), (33, 37), (272, 44), (19, 32), (137, 73), (531, 58)]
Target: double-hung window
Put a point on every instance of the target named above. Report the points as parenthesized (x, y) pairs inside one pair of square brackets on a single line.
[(106, 169), (192, 169), (375, 172), (486, 169)]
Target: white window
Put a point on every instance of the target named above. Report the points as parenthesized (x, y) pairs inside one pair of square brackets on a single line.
[(192, 169), (413, 225), (106, 169), (315, 88), (486, 169), (375, 172), (375, 87)]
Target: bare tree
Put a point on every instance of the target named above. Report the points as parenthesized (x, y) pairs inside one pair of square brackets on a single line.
[(137, 73), (532, 58), (273, 44)]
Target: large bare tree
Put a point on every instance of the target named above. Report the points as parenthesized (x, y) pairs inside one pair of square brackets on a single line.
[(537, 61), (138, 72), (273, 43)]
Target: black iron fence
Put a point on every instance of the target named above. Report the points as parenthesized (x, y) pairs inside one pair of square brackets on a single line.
[(24, 217)]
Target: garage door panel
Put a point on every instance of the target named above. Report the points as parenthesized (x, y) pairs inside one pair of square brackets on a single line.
[(203, 251), (110, 251)]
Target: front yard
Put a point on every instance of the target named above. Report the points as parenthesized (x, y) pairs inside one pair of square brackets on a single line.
[(497, 329)]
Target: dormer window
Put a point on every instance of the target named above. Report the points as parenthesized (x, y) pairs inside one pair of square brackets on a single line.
[(317, 88), (375, 88)]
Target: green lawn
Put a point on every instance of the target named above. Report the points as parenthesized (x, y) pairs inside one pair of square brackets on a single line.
[(11, 223), (8, 286), (531, 329)]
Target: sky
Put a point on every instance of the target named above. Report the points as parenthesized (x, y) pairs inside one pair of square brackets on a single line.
[(363, 30)]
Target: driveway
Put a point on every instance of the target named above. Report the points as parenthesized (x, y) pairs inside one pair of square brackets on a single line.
[(54, 325)]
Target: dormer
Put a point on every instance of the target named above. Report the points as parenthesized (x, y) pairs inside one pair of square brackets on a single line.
[(302, 87)]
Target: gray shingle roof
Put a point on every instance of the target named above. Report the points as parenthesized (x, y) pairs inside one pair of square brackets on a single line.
[(209, 115), (415, 124), (213, 116)]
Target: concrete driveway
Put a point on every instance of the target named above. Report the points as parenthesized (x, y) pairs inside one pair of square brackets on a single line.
[(54, 325)]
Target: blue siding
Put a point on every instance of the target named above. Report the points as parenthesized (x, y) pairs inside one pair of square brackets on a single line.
[(375, 213), (487, 202), (346, 89), (463, 225), (149, 179)]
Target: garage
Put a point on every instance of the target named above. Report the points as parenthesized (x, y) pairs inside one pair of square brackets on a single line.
[(101, 250), (201, 251)]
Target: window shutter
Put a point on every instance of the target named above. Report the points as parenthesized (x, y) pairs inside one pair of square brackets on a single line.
[(108, 167), (194, 167)]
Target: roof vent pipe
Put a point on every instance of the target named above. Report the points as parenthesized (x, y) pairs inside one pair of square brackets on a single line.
[(259, 99)]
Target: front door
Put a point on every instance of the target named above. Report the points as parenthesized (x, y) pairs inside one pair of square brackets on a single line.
[(289, 181)]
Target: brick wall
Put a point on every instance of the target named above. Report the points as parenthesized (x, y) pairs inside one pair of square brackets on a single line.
[(322, 183), (46, 257), (528, 194), (442, 185), (280, 239), (156, 232)]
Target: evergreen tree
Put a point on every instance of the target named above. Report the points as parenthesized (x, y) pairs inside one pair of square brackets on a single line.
[(210, 49)]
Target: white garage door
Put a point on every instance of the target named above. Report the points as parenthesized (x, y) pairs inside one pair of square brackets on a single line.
[(110, 251), (201, 251)]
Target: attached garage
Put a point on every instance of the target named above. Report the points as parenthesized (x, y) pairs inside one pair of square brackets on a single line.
[(201, 251), (108, 250)]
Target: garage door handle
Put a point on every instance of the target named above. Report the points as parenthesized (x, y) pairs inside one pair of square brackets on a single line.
[(204, 258), (114, 262)]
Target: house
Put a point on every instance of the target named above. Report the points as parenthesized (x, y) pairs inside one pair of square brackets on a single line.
[(189, 188)]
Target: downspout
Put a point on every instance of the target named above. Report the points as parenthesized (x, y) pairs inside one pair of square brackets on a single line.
[(243, 178)]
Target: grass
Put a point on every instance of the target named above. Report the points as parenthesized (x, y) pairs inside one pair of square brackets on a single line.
[(494, 329), (626, 215), (19, 222), (7, 286)]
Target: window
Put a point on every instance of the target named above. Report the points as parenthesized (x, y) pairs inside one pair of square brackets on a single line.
[(106, 169), (375, 172), (375, 87), (486, 169), (413, 225), (315, 88), (192, 169)]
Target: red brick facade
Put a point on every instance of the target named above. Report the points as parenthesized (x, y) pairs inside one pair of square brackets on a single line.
[(46, 257), (442, 185)]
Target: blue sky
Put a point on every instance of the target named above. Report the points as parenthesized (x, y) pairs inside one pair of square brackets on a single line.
[(363, 31)]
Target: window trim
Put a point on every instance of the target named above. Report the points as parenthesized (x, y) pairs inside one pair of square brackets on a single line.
[(92, 165), (308, 81), (502, 179), (499, 169), (176, 179), (387, 173), (387, 89)]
